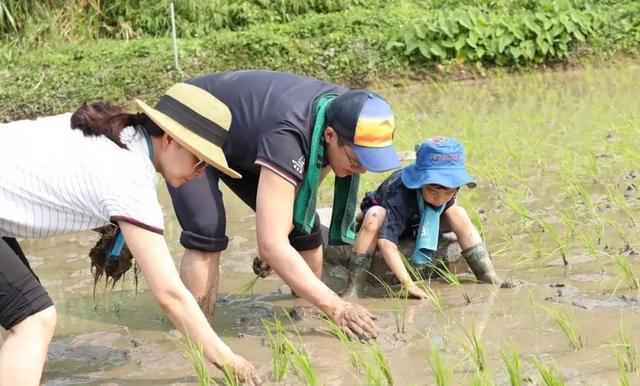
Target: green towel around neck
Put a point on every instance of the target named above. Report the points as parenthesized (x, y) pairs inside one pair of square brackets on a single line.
[(345, 193)]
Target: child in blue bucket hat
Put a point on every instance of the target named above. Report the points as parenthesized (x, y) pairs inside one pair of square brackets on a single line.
[(418, 201)]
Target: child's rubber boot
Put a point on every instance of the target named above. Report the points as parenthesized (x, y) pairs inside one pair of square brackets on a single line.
[(480, 263), (359, 264)]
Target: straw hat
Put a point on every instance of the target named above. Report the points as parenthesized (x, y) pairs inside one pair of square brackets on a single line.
[(197, 120)]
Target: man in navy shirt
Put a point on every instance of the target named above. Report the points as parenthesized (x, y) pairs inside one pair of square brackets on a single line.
[(415, 202), (272, 144)]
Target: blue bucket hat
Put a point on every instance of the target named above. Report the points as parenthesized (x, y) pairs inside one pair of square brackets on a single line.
[(439, 160)]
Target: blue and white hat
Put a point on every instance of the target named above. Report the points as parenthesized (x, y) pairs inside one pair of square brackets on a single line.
[(439, 160)]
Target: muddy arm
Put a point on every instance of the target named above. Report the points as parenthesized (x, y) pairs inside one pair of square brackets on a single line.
[(154, 259), (274, 219)]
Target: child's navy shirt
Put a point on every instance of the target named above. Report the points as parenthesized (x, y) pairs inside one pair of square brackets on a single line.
[(403, 216)]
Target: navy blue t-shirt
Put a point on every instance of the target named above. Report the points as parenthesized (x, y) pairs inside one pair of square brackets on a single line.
[(271, 118), (401, 203)]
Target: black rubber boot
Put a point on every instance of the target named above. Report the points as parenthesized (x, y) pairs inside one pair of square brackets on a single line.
[(480, 263), (359, 265)]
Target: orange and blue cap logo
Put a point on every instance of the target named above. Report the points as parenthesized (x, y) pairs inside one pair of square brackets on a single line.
[(375, 124)]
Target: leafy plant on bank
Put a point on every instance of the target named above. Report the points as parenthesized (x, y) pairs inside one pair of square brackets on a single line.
[(505, 36)]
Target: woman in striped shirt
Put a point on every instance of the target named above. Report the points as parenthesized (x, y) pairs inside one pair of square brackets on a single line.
[(56, 180)]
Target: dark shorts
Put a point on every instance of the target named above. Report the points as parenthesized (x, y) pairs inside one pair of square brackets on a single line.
[(201, 213), (21, 294)]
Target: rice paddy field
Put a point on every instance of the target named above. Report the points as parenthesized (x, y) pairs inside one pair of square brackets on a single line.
[(558, 167)]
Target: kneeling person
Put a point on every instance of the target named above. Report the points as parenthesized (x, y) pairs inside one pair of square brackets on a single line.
[(420, 196)]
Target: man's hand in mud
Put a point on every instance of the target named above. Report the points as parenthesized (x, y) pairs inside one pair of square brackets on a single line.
[(356, 321), (241, 369), (261, 268)]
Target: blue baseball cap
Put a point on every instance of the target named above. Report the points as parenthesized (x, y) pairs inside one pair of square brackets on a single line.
[(439, 160)]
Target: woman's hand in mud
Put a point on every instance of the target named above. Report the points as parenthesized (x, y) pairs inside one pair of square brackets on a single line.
[(415, 292), (356, 321), (241, 369), (261, 268)]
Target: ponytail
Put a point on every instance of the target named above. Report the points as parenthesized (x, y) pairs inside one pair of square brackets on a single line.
[(104, 118)]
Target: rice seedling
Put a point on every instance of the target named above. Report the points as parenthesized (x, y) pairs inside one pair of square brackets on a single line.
[(467, 202), (568, 325), (230, 378), (245, 290), (354, 356), (280, 348), (582, 194), (300, 359), (383, 363), (533, 306), (286, 354), (626, 354), (620, 231), (549, 373), (452, 279), (374, 378), (512, 362), (569, 222), (302, 364), (399, 307), (475, 350), (482, 378), (591, 166), (195, 354), (536, 238), (621, 203), (551, 230), (624, 378), (629, 353), (434, 296), (505, 235), (441, 372), (625, 271), (517, 208)]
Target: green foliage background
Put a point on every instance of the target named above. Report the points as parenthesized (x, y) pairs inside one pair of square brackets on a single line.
[(54, 54)]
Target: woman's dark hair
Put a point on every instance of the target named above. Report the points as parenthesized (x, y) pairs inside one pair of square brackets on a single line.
[(105, 118)]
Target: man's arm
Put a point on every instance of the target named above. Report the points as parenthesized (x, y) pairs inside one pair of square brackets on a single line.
[(274, 219)]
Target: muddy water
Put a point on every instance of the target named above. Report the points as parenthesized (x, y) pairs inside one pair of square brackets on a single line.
[(123, 338)]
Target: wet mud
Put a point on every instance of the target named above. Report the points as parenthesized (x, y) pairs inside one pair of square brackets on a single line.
[(123, 338)]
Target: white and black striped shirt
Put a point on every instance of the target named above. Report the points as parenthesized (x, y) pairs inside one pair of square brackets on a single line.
[(54, 180)]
